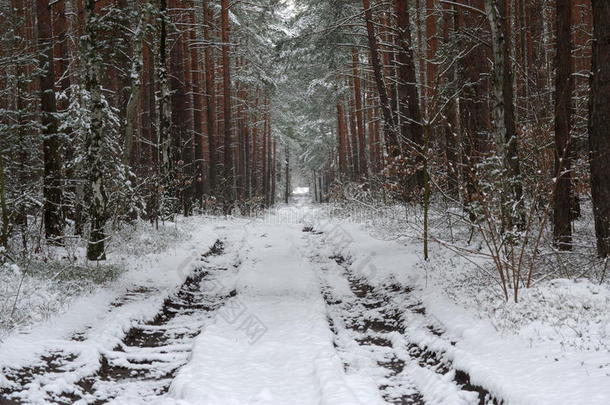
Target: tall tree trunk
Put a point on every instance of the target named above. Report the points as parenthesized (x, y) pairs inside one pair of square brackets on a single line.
[(451, 128), (181, 108), (4, 212), (228, 123), (274, 162), (247, 161), (376, 160), (431, 48), (19, 100), (342, 138), (362, 168), (182, 118), (199, 174), (562, 216), (599, 122), (503, 115), (165, 114), (242, 129), (473, 106), (61, 52), (268, 158), (265, 156), (411, 130), (210, 89), (511, 138), (451, 147), (95, 138), (353, 130), (149, 141), (287, 190), (392, 142), (131, 111), (50, 128)]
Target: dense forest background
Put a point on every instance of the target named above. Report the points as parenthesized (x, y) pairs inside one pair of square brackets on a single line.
[(494, 113)]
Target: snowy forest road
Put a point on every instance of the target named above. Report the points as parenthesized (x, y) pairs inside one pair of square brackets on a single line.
[(272, 315)]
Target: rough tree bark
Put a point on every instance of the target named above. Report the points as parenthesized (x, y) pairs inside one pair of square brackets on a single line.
[(287, 190), (431, 48), (563, 119), (228, 192), (264, 155), (95, 137), (599, 122), (391, 136), (411, 130), (362, 166), (256, 156), (473, 107), (165, 114), (197, 113), (131, 111), (451, 128), (342, 138), (181, 119), (210, 90), (353, 138), (273, 171), (50, 127), (503, 116), (4, 212)]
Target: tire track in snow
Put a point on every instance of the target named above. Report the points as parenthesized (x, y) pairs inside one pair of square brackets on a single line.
[(367, 330), (142, 365), (370, 322)]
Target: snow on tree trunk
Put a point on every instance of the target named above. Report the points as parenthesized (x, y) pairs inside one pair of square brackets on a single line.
[(131, 111), (503, 118), (50, 131), (94, 137), (165, 116)]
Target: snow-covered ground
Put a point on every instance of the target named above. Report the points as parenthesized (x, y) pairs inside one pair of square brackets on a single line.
[(271, 343), (303, 308), (553, 347), (51, 277), (90, 324)]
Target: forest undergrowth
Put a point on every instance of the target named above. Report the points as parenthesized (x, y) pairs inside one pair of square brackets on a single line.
[(567, 297)]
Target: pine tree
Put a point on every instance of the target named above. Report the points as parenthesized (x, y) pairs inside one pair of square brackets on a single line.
[(228, 171), (50, 129), (562, 215), (599, 115), (392, 140)]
